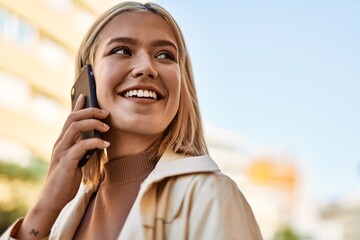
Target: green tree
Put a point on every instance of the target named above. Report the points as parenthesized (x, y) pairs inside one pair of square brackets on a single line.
[(19, 187), (286, 233)]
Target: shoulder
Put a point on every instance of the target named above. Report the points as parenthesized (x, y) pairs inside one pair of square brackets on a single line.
[(199, 173), (214, 200), (215, 179), (215, 185), (194, 190)]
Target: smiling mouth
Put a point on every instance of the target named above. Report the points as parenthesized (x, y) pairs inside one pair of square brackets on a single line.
[(140, 93)]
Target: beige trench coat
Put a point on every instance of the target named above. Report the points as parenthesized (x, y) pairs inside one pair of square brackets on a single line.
[(182, 198)]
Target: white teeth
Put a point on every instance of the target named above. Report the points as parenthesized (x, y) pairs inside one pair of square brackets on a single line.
[(141, 94), (146, 93)]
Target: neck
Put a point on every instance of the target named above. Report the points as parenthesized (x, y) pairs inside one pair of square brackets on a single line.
[(125, 144)]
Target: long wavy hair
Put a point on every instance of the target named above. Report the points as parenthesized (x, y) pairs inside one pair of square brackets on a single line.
[(185, 133)]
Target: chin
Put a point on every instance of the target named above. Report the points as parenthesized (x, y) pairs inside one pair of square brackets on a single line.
[(146, 130)]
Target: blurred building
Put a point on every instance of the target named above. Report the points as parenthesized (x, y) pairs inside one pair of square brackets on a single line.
[(38, 42), (341, 220), (268, 180)]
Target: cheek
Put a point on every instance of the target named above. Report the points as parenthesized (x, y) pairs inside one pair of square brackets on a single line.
[(178, 88), (104, 79), (174, 81), (175, 90), (107, 75), (105, 71)]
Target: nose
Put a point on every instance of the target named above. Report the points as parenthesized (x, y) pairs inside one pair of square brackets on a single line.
[(144, 67)]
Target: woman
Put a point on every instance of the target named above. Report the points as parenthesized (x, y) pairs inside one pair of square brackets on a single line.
[(155, 179)]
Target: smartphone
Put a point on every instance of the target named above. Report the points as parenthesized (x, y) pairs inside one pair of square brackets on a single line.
[(85, 84)]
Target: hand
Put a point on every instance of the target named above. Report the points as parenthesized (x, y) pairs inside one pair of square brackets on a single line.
[(64, 175)]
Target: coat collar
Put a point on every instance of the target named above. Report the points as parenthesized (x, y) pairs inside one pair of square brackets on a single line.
[(170, 165), (174, 164)]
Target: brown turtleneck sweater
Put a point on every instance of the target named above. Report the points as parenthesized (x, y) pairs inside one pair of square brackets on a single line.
[(111, 204)]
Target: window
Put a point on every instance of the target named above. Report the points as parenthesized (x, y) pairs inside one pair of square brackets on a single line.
[(15, 29), (14, 152), (15, 93), (63, 5), (46, 110), (52, 54)]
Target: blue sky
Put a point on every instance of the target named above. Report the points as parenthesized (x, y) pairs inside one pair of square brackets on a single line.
[(284, 74)]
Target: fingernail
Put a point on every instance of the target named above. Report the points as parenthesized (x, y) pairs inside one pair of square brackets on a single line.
[(104, 112), (106, 143), (106, 126)]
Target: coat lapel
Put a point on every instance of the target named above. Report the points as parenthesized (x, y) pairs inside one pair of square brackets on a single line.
[(156, 192), (70, 217)]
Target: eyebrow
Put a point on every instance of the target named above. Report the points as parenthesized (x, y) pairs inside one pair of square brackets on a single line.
[(133, 41), (123, 40), (161, 43)]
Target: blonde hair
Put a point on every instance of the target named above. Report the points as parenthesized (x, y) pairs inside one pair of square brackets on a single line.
[(185, 132)]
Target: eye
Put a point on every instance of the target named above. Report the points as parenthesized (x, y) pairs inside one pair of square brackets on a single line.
[(166, 55), (122, 51)]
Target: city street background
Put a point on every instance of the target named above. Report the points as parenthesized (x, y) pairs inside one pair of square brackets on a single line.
[(278, 84)]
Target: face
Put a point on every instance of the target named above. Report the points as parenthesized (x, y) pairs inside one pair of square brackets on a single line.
[(137, 73)]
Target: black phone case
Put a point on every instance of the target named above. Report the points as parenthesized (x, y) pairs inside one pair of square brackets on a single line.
[(85, 84)]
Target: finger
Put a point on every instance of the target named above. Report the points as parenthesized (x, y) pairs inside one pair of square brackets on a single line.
[(77, 151), (82, 114), (79, 104), (89, 113), (75, 130)]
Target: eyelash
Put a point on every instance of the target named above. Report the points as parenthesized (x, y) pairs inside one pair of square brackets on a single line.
[(168, 55), (122, 48)]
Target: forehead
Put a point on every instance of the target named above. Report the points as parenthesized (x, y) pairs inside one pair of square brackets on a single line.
[(141, 25)]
